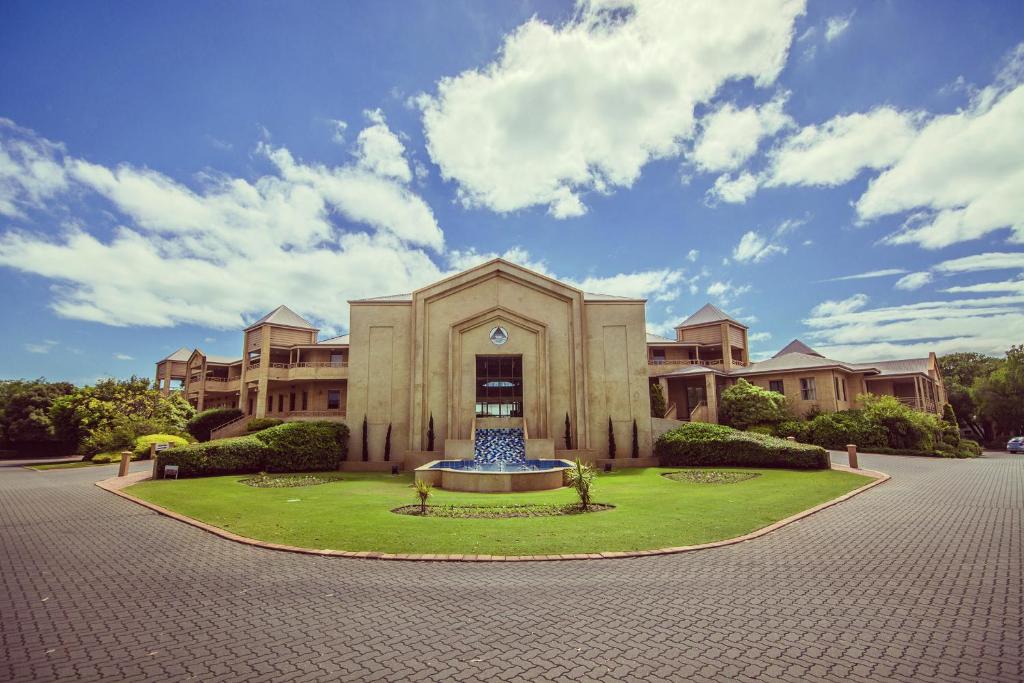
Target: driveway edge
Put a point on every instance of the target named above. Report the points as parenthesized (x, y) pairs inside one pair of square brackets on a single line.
[(116, 484)]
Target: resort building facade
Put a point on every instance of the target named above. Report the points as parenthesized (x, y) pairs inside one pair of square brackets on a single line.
[(499, 345)]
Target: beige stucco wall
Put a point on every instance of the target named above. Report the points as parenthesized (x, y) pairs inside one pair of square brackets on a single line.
[(826, 401), (415, 359)]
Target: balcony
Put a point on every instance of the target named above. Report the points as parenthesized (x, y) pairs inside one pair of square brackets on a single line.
[(308, 370), (223, 383), (656, 364), (924, 405)]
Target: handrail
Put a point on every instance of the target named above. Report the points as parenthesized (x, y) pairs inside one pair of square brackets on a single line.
[(668, 411), (700, 404)]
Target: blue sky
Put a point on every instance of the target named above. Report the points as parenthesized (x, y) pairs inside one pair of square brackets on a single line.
[(168, 172)]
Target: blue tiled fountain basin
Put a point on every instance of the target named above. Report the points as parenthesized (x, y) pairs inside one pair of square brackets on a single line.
[(477, 466)]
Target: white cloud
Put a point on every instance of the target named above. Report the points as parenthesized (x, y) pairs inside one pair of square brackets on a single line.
[(754, 248), (45, 346), (123, 356), (338, 128), (380, 151), (733, 190), (29, 174), (759, 336), (692, 255), (581, 107), (725, 292), (913, 281), (987, 325), (842, 307), (885, 272), (836, 26), (979, 262), (834, 152), (963, 176), (1011, 286), (730, 136)]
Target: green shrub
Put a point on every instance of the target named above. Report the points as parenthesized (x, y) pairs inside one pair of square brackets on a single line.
[(968, 449), (744, 404), (762, 429), (904, 427), (141, 451), (241, 455), (795, 428), (107, 440), (836, 430), (205, 422), (700, 444), (260, 423), (304, 446), (658, 404)]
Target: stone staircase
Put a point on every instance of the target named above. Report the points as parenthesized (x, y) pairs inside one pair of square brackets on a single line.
[(506, 445)]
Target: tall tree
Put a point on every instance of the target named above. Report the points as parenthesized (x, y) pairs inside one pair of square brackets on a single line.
[(611, 439), (568, 433)]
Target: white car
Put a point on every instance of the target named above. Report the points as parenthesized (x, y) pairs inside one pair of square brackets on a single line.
[(1016, 444)]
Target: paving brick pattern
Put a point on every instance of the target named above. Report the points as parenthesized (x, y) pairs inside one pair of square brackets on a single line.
[(918, 579)]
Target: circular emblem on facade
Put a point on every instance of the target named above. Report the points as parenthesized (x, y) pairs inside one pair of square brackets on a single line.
[(499, 335)]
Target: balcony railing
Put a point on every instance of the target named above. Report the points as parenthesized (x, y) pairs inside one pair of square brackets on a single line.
[(925, 404), (689, 361), (312, 364)]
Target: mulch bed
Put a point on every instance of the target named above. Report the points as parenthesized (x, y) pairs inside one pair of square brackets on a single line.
[(710, 476), (499, 511)]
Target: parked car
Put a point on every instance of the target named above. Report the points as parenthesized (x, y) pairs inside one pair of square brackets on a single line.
[(1016, 444)]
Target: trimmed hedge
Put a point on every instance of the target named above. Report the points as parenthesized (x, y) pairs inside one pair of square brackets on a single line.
[(289, 447), (258, 424), (205, 422), (700, 444), (141, 450)]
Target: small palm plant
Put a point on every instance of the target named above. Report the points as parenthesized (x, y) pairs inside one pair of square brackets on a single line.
[(581, 477), (424, 490)]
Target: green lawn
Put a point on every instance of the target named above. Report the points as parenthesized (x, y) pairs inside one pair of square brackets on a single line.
[(355, 513)]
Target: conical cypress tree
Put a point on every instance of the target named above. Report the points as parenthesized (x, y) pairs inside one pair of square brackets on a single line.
[(430, 434), (636, 441), (568, 433), (611, 439), (387, 442), (366, 440)]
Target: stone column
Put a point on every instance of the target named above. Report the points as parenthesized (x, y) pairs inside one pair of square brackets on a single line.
[(726, 347), (263, 373), (663, 382), (712, 396)]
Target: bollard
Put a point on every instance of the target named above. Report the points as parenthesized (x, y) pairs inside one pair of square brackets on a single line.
[(790, 438), (126, 459), (851, 452)]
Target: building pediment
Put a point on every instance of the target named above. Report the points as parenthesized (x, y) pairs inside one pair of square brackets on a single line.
[(498, 268)]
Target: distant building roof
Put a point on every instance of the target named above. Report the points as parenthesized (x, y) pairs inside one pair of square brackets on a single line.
[(910, 366), (223, 360), (340, 339), (800, 361), (282, 315), (391, 298), (797, 346), (658, 339), (182, 354), (709, 314), (591, 296)]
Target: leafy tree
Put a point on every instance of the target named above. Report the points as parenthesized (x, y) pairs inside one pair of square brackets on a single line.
[(658, 406), (904, 426), (611, 439), (568, 433), (744, 405), (25, 421), (1000, 395), (959, 372)]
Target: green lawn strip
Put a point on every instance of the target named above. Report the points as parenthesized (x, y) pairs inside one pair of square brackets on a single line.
[(650, 512), (67, 465)]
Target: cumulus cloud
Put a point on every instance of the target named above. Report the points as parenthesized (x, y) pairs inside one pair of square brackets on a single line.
[(834, 152), (841, 307), (733, 190), (726, 291), (913, 281), (730, 136), (755, 337), (584, 106), (836, 26), (29, 175), (380, 150), (754, 248)]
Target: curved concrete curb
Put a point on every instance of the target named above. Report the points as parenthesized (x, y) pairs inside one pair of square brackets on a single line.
[(116, 484)]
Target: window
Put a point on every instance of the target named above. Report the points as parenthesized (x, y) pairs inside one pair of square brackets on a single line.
[(270, 403), (835, 385), (777, 385), (291, 401), (807, 390), (333, 399), (305, 400), (499, 386), (658, 356), (280, 403), (337, 358), (844, 388), (250, 406)]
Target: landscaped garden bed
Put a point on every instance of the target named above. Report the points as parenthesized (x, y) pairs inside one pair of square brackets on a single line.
[(711, 476), (356, 513), (500, 511)]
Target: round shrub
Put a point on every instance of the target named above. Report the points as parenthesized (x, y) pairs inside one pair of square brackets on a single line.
[(836, 430), (304, 446), (744, 404), (798, 429), (260, 423), (205, 422), (241, 455), (141, 450), (700, 444)]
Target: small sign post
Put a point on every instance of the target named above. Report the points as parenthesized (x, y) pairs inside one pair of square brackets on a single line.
[(126, 459)]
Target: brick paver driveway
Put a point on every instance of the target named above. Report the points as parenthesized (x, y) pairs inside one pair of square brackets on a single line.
[(917, 579)]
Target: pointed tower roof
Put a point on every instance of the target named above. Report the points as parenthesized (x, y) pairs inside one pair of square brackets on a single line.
[(709, 314), (182, 354), (797, 346), (282, 315)]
